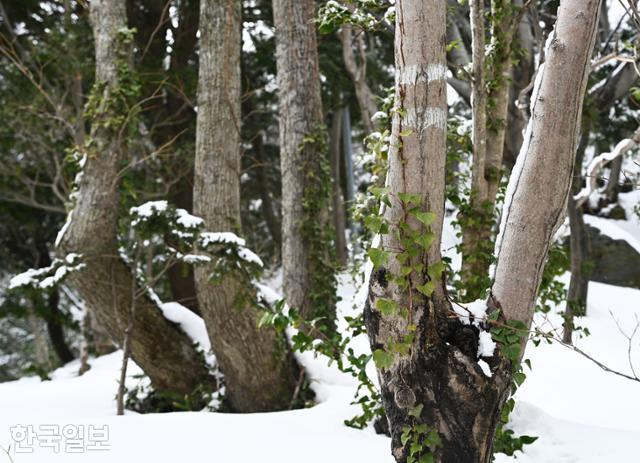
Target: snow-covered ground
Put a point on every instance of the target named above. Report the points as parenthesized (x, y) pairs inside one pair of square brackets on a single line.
[(580, 412)]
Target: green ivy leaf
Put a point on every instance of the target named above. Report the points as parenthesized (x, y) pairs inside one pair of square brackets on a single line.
[(386, 306), (426, 240), (433, 439), (427, 288), (519, 378), (406, 435), (379, 257), (416, 411), (382, 359), (409, 198), (435, 270), (427, 218)]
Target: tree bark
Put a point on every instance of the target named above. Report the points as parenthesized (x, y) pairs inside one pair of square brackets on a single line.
[(308, 275), (339, 217), (437, 381), (160, 347), (535, 203), (260, 375), (487, 170), (579, 247), (54, 318), (358, 74), (55, 330), (613, 185), (268, 210)]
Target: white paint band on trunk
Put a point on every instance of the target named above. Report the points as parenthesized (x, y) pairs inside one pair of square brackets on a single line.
[(420, 73), (419, 119)]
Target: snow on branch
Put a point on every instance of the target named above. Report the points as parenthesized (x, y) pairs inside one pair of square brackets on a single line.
[(598, 163)]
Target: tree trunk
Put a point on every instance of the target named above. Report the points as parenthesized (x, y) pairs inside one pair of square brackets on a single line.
[(260, 375), (613, 186), (54, 318), (477, 223), (358, 74), (160, 347), (55, 330), (177, 109), (535, 203), (579, 247), (268, 210), (307, 261), (41, 348), (427, 357), (339, 217)]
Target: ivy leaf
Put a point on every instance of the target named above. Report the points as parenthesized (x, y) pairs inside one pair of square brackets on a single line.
[(528, 439), (379, 257), (382, 359), (374, 223), (406, 435), (435, 270), (409, 198), (416, 411), (427, 288), (433, 439), (426, 240), (519, 377), (426, 458), (426, 218), (386, 306)]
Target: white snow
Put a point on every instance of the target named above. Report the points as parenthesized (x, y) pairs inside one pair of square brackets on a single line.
[(248, 255), (191, 324), (187, 220), (579, 412), (486, 369), (149, 208), (208, 238), (475, 311), (599, 413), (615, 229), (486, 345)]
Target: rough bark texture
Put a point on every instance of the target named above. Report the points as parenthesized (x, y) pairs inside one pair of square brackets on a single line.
[(304, 162), (163, 351), (536, 202), (440, 371), (260, 374)]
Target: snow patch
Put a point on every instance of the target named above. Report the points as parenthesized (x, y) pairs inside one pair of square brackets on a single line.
[(486, 344)]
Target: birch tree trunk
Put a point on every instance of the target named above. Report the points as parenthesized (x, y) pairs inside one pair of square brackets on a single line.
[(434, 392), (308, 280), (160, 347), (259, 375)]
